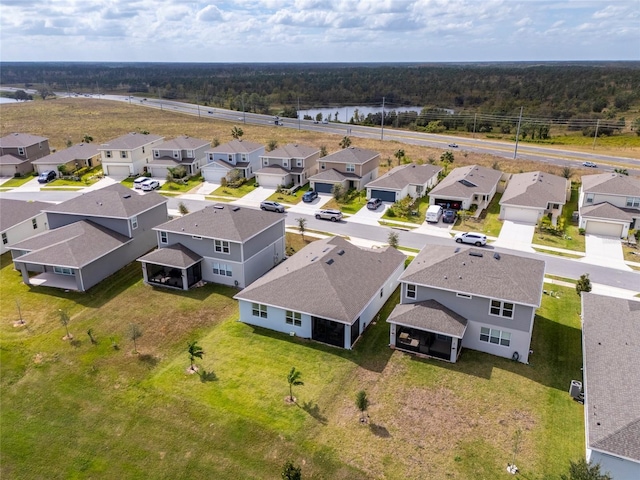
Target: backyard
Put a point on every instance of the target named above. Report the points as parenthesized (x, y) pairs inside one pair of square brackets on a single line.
[(102, 411)]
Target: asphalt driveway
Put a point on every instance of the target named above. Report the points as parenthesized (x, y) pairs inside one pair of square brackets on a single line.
[(516, 236), (604, 251)]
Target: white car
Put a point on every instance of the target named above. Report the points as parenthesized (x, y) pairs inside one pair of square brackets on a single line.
[(333, 215), (453, 145), (150, 185), (473, 238), (137, 183), (589, 164)]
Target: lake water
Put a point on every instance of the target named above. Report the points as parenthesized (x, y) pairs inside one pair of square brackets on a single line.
[(346, 113)]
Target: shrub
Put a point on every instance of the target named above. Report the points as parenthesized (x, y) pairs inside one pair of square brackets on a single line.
[(581, 231)]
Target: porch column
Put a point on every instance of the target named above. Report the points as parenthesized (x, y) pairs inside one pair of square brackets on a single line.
[(185, 280), (454, 350), (23, 271), (145, 277)]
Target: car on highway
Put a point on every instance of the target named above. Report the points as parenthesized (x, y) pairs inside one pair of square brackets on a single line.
[(589, 164), (210, 112), (330, 214), (150, 185), (309, 196), (47, 176), (453, 145), (374, 203), (270, 206), (473, 238), (449, 216)]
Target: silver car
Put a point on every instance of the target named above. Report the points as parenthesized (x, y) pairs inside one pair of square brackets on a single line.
[(333, 215), (272, 206)]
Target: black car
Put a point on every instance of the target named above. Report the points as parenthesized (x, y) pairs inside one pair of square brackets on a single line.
[(449, 216), (309, 196), (47, 176)]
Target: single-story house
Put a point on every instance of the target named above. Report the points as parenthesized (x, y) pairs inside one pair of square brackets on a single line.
[(329, 291), (20, 220), (466, 186), (72, 158), (402, 181)]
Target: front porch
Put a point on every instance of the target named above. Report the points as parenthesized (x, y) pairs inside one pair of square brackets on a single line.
[(172, 267)]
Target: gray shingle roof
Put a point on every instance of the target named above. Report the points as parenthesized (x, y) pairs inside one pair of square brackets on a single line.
[(237, 146), (605, 211), (353, 155), (332, 175), (14, 140), (399, 177), (183, 142), (611, 343), (224, 222), (461, 269), (273, 170), (13, 212), (9, 159), (81, 151), (114, 201), (431, 316), (176, 255), (463, 182), (320, 281), (611, 183), (535, 189), (74, 245), (130, 141), (292, 150)]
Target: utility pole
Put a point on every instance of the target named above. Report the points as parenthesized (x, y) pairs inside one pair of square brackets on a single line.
[(595, 136), (474, 124), (298, 113), (244, 114), (515, 152), (382, 122), (198, 104)]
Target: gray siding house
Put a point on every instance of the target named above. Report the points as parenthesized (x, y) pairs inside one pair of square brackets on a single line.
[(128, 155), (329, 291), (90, 237), (20, 220), (18, 150), (292, 164), (455, 297), (352, 168), (403, 180), (184, 151), (236, 154), (611, 384), (72, 158), (221, 243), (466, 186)]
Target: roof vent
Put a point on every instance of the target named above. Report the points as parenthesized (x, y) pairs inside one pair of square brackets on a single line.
[(475, 254), (219, 207), (235, 209), (496, 255), (325, 250), (127, 196), (329, 262), (457, 250), (314, 259), (340, 252)]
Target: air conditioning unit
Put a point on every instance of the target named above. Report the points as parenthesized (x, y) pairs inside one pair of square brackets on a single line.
[(575, 389)]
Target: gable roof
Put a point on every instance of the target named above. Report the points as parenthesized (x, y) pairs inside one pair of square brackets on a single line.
[(463, 182), (399, 177), (355, 155), (535, 189), (611, 348), (14, 140), (478, 272), (612, 184), (8, 159), (183, 142), (292, 150), (176, 255), (237, 146), (130, 141), (329, 278), (13, 212), (332, 175), (81, 151), (75, 245), (429, 315), (606, 211), (224, 222), (114, 201)]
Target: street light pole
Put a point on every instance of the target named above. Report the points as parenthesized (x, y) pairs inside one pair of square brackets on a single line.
[(515, 152), (382, 122)]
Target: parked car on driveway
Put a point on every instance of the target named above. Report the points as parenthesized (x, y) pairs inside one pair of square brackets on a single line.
[(473, 238), (309, 196), (374, 203), (449, 216), (272, 206), (333, 215), (150, 185), (589, 164), (137, 183), (47, 176)]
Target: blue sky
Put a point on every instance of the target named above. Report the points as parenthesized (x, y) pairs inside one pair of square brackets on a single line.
[(319, 30)]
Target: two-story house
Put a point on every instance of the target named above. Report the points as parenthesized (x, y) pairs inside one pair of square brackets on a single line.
[(72, 158), (128, 155), (221, 243), (20, 220), (531, 195), (292, 164), (184, 151), (18, 150), (609, 204), (90, 237), (455, 297), (352, 168), (402, 181), (466, 186), (329, 291), (240, 155)]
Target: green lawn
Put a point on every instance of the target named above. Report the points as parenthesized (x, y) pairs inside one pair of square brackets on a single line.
[(289, 199), (571, 240), (171, 187), (89, 178), (488, 222), (17, 182), (354, 201), (91, 411), (423, 205), (235, 192)]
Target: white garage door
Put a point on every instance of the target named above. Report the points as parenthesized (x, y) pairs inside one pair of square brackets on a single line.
[(7, 170), (158, 171), (269, 181), (524, 215), (213, 175), (604, 229), (117, 170)]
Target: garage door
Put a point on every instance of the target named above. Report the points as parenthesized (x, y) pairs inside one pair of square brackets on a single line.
[(323, 187), (269, 181), (117, 171), (524, 215), (383, 195), (448, 204), (604, 229), (7, 170), (159, 172), (213, 175)]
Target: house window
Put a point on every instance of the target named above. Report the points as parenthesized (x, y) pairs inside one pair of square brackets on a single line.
[(62, 271), (298, 162), (221, 246), (134, 223), (589, 197), (196, 237), (20, 151), (633, 202), (5, 240), (156, 153), (265, 162), (222, 269), (230, 158), (34, 222), (411, 291), (285, 163), (107, 154), (501, 309), (176, 154), (123, 154), (497, 337), (210, 157), (293, 318), (381, 292), (244, 157), (142, 149), (322, 166), (164, 237), (190, 154), (351, 168), (259, 310), (463, 295)]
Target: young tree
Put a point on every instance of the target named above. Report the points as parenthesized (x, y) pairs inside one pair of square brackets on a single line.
[(135, 332), (338, 192), (345, 142), (581, 470), (447, 159), (393, 239), (236, 132), (195, 351), (64, 320), (289, 470), (584, 284), (294, 379), (182, 208), (272, 145), (362, 403), (87, 138), (621, 171), (323, 150), (567, 172), (399, 155), (302, 226)]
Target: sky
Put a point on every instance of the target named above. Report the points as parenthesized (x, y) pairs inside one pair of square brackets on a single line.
[(319, 30)]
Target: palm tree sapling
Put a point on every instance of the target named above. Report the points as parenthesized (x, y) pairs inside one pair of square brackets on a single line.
[(293, 379), (195, 351)]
